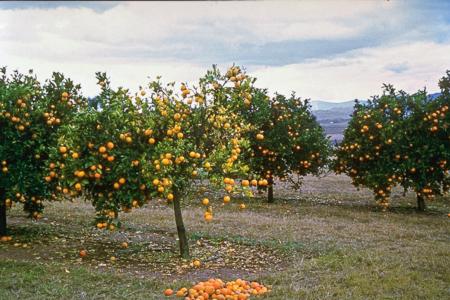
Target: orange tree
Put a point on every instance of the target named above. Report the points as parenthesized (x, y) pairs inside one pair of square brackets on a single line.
[(30, 115), (286, 140), (155, 143), (399, 139)]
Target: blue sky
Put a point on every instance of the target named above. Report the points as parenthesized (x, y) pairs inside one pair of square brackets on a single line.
[(324, 50)]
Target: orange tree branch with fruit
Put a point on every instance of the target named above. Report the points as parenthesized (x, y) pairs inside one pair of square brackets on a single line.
[(30, 117), (286, 140), (399, 139), (155, 144)]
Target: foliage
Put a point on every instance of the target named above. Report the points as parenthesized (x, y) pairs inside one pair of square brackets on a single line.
[(399, 139), (30, 117), (286, 139), (155, 143)]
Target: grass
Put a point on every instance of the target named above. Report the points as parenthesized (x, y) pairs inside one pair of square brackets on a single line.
[(328, 241)]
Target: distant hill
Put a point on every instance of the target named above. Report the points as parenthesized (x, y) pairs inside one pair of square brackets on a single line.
[(333, 116)]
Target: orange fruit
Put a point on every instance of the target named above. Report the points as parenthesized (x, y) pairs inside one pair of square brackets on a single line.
[(245, 183), (83, 253), (102, 149), (63, 149), (208, 217), (122, 180), (151, 141), (259, 136), (226, 199), (110, 145), (196, 263), (124, 245), (205, 201), (168, 292)]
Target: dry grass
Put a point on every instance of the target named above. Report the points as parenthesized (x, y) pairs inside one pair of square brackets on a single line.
[(327, 241)]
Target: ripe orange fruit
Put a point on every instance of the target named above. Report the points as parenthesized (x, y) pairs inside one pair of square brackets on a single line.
[(242, 206), (116, 185), (208, 217), (205, 201), (65, 94), (259, 136), (122, 180), (170, 197), (124, 245), (111, 158), (151, 141), (63, 149), (226, 199), (83, 253), (254, 182), (102, 149), (75, 155), (168, 292), (78, 186), (245, 182), (110, 145), (196, 263)]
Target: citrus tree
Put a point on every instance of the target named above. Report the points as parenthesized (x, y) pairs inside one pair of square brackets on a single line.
[(156, 143), (30, 116), (398, 139), (286, 140)]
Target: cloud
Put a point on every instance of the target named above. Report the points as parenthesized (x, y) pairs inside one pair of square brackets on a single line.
[(360, 73), (328, 49)]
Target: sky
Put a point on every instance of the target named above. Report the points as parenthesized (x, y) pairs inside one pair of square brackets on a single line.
[(323, 50)]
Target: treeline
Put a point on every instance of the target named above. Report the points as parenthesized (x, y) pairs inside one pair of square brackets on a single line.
[(122, 149)]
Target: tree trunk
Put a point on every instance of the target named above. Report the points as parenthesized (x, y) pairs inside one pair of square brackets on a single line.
[(3, 230), (270, 190), (420, 203), (182, 238)]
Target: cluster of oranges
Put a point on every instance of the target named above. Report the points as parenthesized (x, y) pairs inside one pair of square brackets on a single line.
[(217, 289), (435, 116), (5, 238)]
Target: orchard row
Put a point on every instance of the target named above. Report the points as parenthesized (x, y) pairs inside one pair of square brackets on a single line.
[(122, 149)]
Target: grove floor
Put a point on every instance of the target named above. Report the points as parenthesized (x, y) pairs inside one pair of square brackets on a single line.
[(327, 241)]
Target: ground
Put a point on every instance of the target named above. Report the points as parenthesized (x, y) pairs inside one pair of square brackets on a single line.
[(328, 241)]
